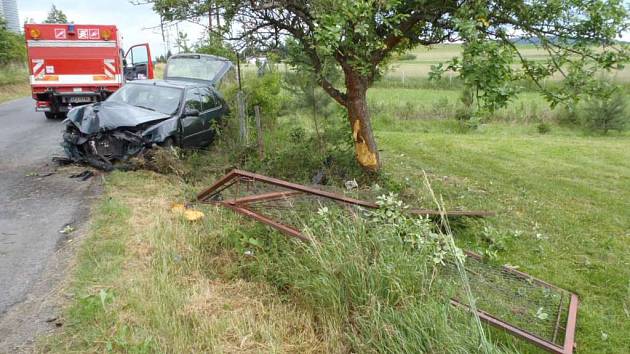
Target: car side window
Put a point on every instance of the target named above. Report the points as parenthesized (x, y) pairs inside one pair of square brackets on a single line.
[(193, 100), (208, 99)]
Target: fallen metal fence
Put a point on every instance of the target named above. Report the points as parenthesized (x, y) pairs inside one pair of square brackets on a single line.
[(241, 192)]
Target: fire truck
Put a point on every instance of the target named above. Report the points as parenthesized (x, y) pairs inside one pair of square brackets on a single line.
[(73, 64)]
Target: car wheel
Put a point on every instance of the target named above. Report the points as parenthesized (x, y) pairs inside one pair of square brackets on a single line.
[(50, 115)]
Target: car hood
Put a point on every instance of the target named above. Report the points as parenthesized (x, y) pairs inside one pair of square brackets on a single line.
[(104, 116)]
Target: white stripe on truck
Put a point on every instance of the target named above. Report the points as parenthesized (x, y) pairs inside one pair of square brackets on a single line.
[(67, 44), (77, 79)]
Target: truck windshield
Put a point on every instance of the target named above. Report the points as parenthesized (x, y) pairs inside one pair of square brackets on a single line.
[(155, 98)]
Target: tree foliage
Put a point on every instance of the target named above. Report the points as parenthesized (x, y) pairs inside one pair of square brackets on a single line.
[(11, 45), (56, 16), (608, 112), (361, 37)]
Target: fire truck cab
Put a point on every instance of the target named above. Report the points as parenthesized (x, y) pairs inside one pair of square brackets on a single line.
[(73, 64)]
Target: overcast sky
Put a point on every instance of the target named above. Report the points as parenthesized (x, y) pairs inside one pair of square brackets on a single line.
[(134, 22)]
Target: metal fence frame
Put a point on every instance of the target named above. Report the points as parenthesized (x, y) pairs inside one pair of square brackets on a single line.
[(240, 205)]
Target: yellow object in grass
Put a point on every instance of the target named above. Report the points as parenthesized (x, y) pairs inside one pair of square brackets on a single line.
[(193, 215)]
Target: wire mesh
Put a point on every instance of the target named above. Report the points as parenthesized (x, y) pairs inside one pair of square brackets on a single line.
[(513, 297)]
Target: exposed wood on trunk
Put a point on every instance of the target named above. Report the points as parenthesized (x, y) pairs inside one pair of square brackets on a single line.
[(359, 117)]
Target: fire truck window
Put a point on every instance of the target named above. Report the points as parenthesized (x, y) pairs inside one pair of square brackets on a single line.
[(208, 100), (138, 55), (193, 100)]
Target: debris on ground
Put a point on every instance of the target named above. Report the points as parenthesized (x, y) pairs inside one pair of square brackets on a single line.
[(39, 174), (67, 229), (188, 213), (84, 176), (351, 184)]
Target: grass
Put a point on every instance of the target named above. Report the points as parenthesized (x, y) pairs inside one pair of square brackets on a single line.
[(13, 82), (570, 197), (149, 281)]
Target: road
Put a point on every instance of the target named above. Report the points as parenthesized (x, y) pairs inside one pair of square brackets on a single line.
[(33, 209)]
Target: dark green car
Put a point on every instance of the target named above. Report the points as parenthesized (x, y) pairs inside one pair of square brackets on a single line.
[(182, 110)]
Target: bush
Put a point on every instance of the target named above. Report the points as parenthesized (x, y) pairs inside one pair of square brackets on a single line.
[(543, 128), (407, 56), (12, 47), (604, 114)]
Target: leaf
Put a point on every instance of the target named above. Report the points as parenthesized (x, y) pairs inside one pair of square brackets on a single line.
[(541, 315), (103, 296)]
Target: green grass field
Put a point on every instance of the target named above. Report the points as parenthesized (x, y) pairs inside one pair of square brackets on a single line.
[(149, 281)]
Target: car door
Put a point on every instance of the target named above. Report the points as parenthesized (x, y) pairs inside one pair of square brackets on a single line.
[(138, 63), (193, 126), (212, 112)]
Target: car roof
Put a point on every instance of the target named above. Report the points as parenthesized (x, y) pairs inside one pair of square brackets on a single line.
[(170, 83)]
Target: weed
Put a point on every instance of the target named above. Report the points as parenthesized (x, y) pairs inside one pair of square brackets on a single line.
[(543, 128)]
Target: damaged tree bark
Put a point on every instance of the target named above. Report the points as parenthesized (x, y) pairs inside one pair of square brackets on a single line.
[(359, 117)]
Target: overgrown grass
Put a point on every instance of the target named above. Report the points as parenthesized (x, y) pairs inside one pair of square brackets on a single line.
[(13, 82), (567, 195), (147, 280)]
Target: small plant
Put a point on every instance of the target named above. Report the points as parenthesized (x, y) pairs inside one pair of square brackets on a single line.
[(543, 128), (607, 113), (496, 241)]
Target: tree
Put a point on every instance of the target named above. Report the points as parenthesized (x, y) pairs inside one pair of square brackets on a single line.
[(188, 10), (56, 16), (361, 36), (12, 48), (182, 42)]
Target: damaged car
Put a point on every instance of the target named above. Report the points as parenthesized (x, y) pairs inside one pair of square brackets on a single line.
[(182, 110)]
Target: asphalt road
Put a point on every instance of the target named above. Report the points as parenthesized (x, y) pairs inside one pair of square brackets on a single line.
[(33, 209)]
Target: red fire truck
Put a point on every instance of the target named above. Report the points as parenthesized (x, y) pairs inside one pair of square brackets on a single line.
[(74, 64)]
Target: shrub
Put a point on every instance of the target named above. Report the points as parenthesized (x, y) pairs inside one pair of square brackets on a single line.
[(604, 114), (543, 128), (407, 56)]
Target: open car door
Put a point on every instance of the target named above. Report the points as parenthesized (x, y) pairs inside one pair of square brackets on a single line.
[(138, 63)]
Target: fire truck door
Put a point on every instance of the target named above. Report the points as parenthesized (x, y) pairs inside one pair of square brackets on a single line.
[(138, 63)]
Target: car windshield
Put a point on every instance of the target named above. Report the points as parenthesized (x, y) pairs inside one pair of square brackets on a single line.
[(155, 98), (196, 67)]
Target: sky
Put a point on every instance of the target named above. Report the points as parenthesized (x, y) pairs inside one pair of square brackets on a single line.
[(134, 22), (137, 23)]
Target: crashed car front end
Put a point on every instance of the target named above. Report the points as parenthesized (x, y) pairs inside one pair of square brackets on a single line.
[(101, 150), (106, 135)]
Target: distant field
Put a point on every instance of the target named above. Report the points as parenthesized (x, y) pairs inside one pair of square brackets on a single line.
[(426, 57)]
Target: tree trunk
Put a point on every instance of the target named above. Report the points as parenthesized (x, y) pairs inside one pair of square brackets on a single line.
[(210, 22), (359, 117), (218, 14)]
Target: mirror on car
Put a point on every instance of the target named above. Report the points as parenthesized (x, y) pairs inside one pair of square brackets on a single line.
[(191, 112)]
